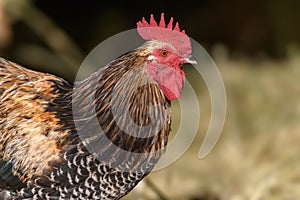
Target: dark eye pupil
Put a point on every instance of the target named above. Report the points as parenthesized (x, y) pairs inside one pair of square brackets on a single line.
[(164, 53)]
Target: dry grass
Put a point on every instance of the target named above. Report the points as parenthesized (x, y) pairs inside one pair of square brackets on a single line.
[(257, 156)]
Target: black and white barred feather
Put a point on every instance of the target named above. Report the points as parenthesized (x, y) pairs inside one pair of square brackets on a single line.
[(84, 153)]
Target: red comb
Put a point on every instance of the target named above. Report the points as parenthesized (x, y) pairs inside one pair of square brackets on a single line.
[(173, 36)]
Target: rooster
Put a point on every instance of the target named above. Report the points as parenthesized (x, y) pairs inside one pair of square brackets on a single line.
[(97, 138)]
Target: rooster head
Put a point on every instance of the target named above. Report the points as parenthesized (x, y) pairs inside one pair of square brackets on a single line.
[(166, 50)]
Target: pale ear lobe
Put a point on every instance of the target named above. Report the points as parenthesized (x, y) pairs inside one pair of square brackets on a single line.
[(151, 58)]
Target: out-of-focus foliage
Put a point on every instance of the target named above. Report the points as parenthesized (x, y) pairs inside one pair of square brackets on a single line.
[(254, 28), (254, 43)]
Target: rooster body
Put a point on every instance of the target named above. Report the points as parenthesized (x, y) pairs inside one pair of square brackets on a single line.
[(63, 141)]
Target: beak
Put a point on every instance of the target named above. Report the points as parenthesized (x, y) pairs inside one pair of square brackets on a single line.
[(190, 59)]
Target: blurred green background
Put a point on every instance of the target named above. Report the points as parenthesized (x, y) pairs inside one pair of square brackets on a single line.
[(254, 43)]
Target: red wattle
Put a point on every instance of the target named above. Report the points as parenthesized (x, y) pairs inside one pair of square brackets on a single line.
[(171, 80)]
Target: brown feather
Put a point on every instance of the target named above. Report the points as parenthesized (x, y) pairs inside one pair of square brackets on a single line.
[(124, 87), (100, 136), (28, 134)]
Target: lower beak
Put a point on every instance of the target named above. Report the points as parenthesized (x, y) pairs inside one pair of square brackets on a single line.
[(190, 59)]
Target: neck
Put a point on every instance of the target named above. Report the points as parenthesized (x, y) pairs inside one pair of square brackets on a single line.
[(120, 110)]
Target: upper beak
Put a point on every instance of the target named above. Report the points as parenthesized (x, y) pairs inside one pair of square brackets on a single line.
[(190, 59)]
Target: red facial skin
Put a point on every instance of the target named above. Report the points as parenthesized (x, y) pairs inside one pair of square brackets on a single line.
[(164, 65)]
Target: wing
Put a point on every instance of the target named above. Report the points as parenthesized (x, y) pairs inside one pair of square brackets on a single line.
[(31, 134)]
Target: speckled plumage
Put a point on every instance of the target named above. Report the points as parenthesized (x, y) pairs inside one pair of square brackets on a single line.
[(95, 139), (40, 143)]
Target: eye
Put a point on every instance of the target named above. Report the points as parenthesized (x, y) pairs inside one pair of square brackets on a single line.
[(163, 53)]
